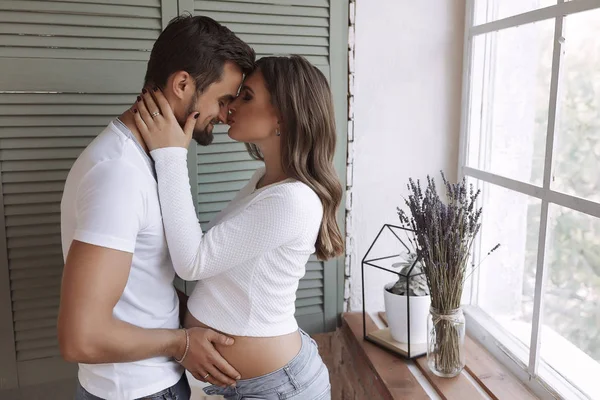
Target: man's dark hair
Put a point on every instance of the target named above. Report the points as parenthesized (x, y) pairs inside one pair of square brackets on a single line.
[(200, 46)]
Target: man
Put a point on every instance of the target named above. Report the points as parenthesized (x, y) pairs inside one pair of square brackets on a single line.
[(119, 311)]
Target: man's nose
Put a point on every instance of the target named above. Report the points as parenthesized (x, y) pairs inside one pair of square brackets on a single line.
[(222, 117)]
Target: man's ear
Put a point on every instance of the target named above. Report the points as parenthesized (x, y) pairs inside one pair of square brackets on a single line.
[(181, 84)]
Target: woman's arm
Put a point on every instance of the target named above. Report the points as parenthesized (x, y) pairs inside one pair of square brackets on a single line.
[(272, 220)]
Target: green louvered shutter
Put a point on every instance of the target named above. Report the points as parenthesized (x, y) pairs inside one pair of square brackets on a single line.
[(317, 30), (68, 68)]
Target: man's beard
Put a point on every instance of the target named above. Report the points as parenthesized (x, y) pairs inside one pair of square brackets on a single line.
[(203, 137)]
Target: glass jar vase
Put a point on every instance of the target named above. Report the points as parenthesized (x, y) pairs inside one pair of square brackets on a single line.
[(446, 342)]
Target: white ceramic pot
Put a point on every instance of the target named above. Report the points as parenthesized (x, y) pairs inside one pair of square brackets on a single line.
[(395, 310)]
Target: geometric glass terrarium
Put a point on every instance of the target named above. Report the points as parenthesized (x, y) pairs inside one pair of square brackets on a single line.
[(407, 299)]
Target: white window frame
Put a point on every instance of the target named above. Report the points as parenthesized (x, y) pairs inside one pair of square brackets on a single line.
[(502, 345)]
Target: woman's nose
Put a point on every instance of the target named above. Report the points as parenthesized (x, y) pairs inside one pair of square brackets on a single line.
[(231, 109)]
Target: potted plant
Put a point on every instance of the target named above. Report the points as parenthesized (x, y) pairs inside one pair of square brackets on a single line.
[(411, 282)]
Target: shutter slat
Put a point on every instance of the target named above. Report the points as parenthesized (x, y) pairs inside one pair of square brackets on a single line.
[(314, 266), (311, 275), (284, 40), (222, 158), (32, 209), (232, 166), (142, 3), (211, 207), (310, 284), (33, 315), (310, 3), (25, 274), (84, 54), (35, 293), (40, 154), (36, 303), (221, 148), (50, 132), (71, 99), (266, 19), (21, 326), (30, 355), (63, 109), (36, 283), (312, 301), (28, 220), (205, 218), (57, 120), (75, 31), (34, 176), (318, 61), (38, 353), (220, 134), (19, 188), (70, 76), (221, 187), (26, 231), (37, 344), (47, 165), (249, 8), (291, 49), (42, 240), (284, 30), (318, 309), (20, 253), (23, 336), (224, 177), (59, 7), (307, 293), (215, 197), (80, 20), (76, 42), (52, 262)]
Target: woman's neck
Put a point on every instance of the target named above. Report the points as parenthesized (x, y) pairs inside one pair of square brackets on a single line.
[(273, 170)]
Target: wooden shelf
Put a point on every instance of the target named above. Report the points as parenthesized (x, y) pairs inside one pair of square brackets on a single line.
[(482, 375)]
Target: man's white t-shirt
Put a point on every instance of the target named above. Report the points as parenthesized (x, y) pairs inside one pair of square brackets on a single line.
[(111, 200)]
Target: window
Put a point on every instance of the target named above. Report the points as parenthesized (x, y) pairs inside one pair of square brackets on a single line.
[(530, 140)]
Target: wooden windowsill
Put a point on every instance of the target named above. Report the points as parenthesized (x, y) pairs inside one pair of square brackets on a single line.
[(482, 373)]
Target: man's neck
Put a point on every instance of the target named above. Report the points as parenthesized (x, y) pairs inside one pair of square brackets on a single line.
[(127, 119)]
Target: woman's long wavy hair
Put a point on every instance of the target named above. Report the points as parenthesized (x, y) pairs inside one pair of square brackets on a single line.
[(302, 97)]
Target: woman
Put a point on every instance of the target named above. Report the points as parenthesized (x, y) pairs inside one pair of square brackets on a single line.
[(250, 261)]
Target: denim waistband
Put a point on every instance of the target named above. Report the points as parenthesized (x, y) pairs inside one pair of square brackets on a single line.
[(294, 367)]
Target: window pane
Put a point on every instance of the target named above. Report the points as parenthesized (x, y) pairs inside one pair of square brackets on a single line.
[(571, 308), (577, 140), (510, 88), (491, 10), (507, 276)]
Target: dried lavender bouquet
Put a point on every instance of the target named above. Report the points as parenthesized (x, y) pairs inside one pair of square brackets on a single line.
[(443, 235)]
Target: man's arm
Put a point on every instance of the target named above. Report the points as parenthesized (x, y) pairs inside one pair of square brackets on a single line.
[(94, 278), (183, 299)]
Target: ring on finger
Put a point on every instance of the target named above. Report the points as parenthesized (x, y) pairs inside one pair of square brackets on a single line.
[(205, 377), (155, 114)]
